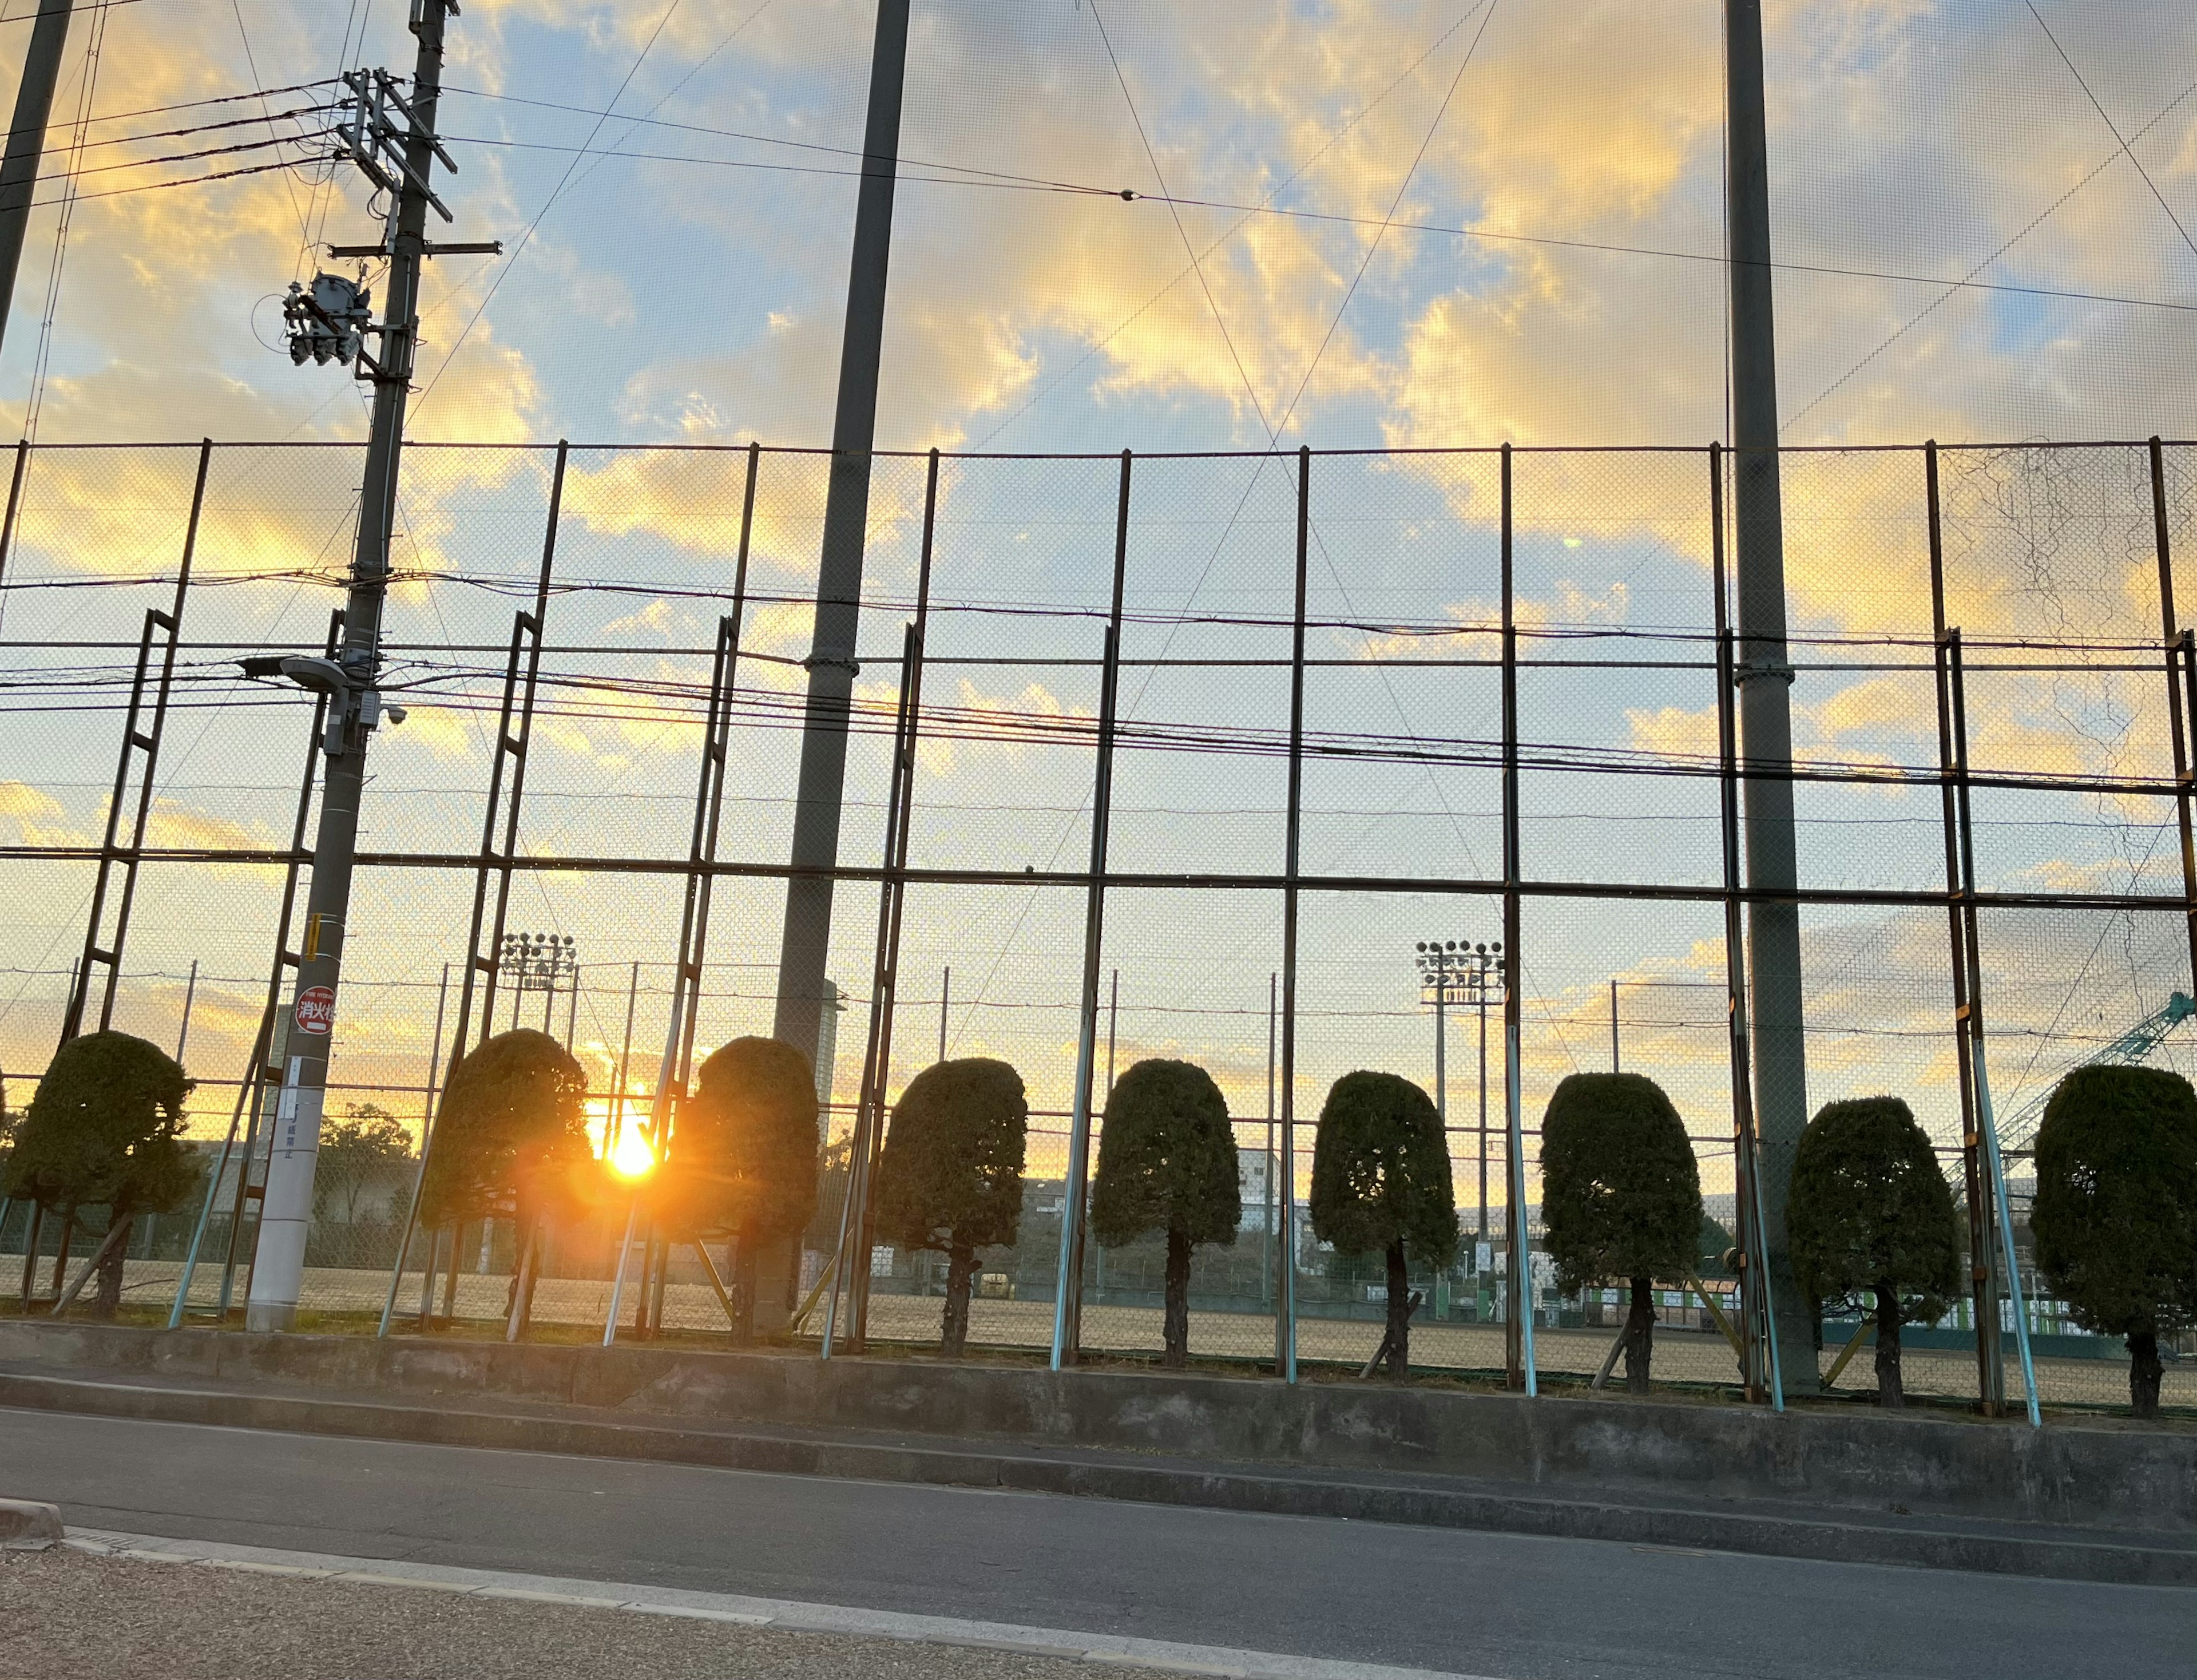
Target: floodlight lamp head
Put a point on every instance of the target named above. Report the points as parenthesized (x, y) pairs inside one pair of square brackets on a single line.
[(323, 676)]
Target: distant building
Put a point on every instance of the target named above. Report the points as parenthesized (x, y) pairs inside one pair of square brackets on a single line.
[(1254, 1178)]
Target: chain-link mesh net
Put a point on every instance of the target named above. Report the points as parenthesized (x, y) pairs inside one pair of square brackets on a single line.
[(2059, 700)]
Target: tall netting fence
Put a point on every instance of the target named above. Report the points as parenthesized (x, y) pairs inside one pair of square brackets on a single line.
[(1284, 766)]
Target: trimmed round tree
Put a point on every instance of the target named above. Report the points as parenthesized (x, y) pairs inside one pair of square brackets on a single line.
[(1381, 1185), (104, 1130), (1620, 1196), (510, 1138), (743, 1157), (2115, 1217), (1166, 1162), (1872, 1223), (951, 1176)]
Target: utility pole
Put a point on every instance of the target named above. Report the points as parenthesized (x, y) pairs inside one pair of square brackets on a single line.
[(805, 948), (325, 324), (1764, 676), (27, 140)]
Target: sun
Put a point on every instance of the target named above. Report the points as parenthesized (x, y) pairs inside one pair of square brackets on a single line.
[(631, 1156)]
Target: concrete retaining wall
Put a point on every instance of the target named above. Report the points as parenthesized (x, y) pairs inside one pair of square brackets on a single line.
[(2104, 1476)]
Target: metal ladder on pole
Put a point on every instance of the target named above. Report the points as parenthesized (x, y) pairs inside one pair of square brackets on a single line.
[(106, 930)]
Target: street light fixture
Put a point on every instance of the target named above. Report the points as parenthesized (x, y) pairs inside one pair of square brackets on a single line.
[(1457, 970)]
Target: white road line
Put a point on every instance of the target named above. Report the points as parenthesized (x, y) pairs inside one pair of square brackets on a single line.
[(791, 1614)]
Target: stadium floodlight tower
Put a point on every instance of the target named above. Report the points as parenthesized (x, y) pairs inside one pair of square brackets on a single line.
[(1458, 971)]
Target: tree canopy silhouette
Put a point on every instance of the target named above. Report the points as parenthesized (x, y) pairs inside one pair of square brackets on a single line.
[(1620, 1196), (743, 1157), (1872, 1223), (1381, 1185), (2115, 1217), (1166, 1162), (951, 1176), (104, 1130)]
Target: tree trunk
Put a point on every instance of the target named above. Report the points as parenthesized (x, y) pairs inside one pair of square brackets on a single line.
[(108, 1301), (1890, 1391), (741, 1287), (1175, 1333), (525, 1270), (1639, 1335), (1400, 1313), (960, 1272), (2144, 1373), (34, 1228), (61, 1259), (450, 1278)]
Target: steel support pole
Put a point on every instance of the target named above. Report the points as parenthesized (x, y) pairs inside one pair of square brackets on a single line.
[(886, 998), (1765, 675), (805, 950), (1479, 1000), (1067, 1283), (1441, 1052), (27, 140), (514, 735), (1518, 1322), (1761, 1368), (715, 764), (2172, 640), (865, 1145), (15, 508), (285, 1212), (1285, 1311), (419, 1174), (1987, 1125), (1266, 1201), (263, 1066), (1976, 1187)]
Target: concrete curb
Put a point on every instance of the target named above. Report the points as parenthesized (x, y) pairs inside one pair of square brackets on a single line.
[(25, 1525), (998, 1466), (1116, 1649)]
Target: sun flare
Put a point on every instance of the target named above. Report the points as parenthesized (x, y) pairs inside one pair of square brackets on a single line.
[(630, 1157)]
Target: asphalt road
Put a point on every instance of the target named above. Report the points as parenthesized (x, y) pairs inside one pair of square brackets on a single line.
[(1503, 1605)]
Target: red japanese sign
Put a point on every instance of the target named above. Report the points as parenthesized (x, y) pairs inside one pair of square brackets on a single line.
[(316, 1008)]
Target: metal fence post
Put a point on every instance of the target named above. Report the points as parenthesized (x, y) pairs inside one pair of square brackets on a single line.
[(1986, 1124), (1983, 1281), (1068, 1283), (694, 908), (1285, 1318), (2173, 641), (521, 678), (1759, 1363), (1518, 1328), (866, 1144), (850, 1268)]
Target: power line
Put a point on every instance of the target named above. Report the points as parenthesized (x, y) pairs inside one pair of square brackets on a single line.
[(2111, 127), (1968, 281), (548, 204)]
